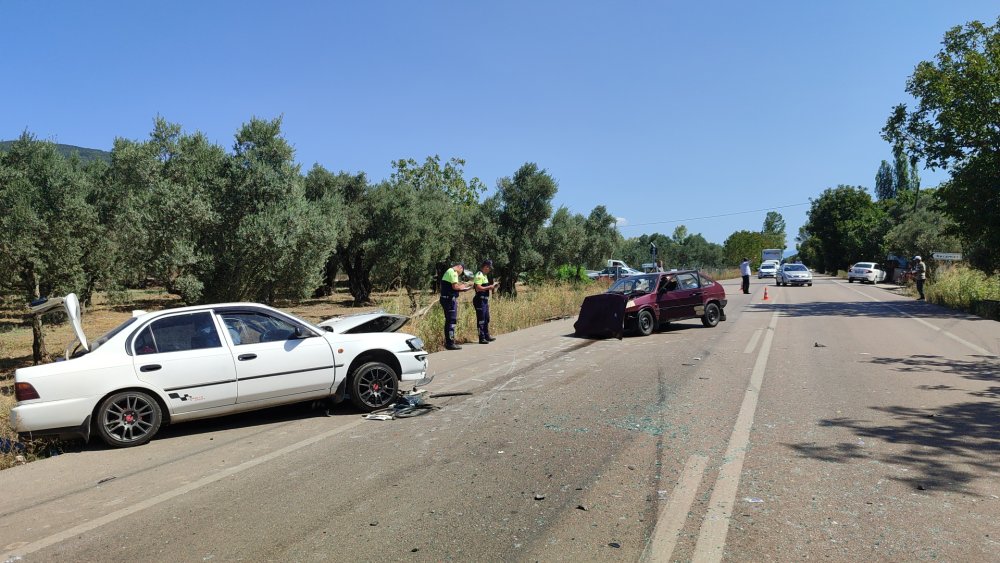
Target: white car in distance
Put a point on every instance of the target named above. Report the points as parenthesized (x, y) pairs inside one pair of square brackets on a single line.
[(204, 361), (870, 272), (767, 270)]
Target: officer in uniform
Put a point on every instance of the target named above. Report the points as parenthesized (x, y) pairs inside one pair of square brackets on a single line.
[(450, 288), (482, 300)]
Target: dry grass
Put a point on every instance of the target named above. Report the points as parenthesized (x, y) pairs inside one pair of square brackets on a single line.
[(534, 305)]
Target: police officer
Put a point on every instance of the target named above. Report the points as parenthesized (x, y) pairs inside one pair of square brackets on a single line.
[(450, 288), (482, 300)]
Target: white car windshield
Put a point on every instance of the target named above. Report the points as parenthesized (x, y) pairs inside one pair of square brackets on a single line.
[(767, 266), (868, 265), (795, 268)]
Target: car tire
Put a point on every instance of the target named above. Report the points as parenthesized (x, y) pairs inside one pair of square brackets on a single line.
[(127, 419), (809, 284), (373, 386), (644, 323), (712, 315), (850, 280)]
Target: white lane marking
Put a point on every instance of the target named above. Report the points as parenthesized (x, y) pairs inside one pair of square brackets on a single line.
[(163, 497), (95, 523), (675, 512), (753, 341), (715, 526), (955, 337)]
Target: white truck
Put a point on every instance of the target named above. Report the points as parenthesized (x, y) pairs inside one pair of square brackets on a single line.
[(771, 255)]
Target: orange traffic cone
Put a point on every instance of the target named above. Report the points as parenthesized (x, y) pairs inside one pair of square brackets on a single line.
[(765, 294)]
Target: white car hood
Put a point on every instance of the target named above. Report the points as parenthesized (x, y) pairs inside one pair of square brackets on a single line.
[(377, 321)]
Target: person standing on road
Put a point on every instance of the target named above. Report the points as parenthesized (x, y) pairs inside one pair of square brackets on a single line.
[(745, 272), (919, 275), (450, 288), (482, 300)]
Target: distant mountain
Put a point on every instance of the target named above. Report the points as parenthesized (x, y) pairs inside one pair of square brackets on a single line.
[(86, 155)]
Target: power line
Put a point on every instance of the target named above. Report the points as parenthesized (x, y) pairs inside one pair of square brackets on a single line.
[(714, 216)]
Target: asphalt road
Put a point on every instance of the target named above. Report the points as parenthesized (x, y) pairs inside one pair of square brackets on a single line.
[(837, 422)]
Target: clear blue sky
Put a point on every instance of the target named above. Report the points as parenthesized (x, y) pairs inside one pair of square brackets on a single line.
[(659, 110)]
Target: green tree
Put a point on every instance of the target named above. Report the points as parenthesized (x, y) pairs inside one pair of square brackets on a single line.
[(270, 242), (774, 226), (885, 182), (46, 224), (521, 204), (431, 203), (156, 198), (922, 231), (956, 126), (602, 236), (744, 244), (564, 241), (844, 222)]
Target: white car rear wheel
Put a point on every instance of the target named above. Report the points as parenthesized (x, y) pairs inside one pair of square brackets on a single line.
[(127, 419)]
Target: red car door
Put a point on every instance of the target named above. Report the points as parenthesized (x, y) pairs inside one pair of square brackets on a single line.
[(679, 296)]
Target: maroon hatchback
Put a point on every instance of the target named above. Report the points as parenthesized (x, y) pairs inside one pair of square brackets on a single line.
[(642, 303)]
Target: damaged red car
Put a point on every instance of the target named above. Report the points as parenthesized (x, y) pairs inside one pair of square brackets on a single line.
[(640, 304)]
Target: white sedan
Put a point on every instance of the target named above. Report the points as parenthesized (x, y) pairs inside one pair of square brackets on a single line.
[(197, 362), (866, 272)]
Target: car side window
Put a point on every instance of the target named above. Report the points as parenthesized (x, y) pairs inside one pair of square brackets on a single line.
[(178, 333), (255, 328), (687, 281)]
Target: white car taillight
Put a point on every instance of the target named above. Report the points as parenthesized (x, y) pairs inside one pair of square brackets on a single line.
[(24, 391)]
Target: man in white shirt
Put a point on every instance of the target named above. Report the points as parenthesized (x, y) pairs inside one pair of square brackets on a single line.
[(745, 272)]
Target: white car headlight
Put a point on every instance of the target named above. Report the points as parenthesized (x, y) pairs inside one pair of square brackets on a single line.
[(415, 344), (630, 304)]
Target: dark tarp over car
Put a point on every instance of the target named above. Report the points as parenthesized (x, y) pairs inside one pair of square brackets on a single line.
[(602, 315)]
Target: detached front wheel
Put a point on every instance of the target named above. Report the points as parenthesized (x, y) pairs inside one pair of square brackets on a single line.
[(712, 315), (373, 386), (127, 419)]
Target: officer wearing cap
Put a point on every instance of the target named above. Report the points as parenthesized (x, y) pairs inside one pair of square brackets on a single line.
[(482, 300), (450, 288)]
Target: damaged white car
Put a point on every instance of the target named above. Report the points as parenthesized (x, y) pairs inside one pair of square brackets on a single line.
[(210, 360)]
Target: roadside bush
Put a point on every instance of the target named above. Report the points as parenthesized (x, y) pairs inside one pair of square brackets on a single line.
[(570, 273), (958, 287)]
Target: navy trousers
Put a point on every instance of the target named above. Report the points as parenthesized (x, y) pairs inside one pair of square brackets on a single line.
[(450, 306), (482, 305)]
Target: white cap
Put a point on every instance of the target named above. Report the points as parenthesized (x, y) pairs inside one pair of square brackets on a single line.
[(916, 258)]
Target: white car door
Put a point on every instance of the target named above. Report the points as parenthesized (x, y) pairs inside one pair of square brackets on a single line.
[(184, 356), (276, 357)]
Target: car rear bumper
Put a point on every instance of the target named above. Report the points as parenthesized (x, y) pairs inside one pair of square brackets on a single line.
[(50, 417)]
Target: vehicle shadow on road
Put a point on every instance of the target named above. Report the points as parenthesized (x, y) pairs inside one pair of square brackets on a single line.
[(949, 446), (270, 416)]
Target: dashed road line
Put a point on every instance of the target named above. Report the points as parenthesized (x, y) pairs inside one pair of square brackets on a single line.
[(676, 510), (715, 526), (753, 341)]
